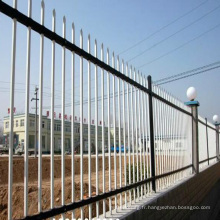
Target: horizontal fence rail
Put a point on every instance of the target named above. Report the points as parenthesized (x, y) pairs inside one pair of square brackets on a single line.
[(118, 138)]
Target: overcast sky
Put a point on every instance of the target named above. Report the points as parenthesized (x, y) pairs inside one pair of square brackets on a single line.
[(166, 30)]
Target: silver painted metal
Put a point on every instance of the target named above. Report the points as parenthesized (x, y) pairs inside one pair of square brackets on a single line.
[(109, 134), (96, 131), (81, 124), (114, 125), (89, 129), (124, 132), (63, 118), (52, 114), (129, 133), (103, 131), (72, 120), (27, 113), (119, 130), (11, 116), (132, 131), (40, 113)]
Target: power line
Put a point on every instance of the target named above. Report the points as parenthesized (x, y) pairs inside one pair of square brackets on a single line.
[(186, 72), (180, 30), (182, 45), (162, 28), (193, 74)]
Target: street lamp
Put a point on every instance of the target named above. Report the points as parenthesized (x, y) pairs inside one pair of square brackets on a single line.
[(216, 119), (191, 95)]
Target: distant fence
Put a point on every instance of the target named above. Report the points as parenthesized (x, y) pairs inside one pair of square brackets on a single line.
[(151, 128)]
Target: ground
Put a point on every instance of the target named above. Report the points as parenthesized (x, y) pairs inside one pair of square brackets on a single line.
[(18, 183)]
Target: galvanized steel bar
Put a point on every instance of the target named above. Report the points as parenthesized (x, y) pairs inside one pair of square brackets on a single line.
[(109, 134), (89, 130), (96, 131), (11, 116), (63, 119), (81, 123), (103, 132), (72, 121), (40, 113), (52, 115), (26, 144)]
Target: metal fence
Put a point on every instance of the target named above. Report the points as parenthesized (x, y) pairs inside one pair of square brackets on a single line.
[(141, 134), (207, 139)]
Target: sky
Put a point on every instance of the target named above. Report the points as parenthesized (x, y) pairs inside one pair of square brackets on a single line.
[(159, 38)]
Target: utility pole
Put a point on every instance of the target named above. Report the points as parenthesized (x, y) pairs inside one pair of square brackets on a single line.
[(36, 99)]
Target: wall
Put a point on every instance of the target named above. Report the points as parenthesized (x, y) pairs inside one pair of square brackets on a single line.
[(189, 193)]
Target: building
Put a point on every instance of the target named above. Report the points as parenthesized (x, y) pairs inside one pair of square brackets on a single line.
[(19, 134)]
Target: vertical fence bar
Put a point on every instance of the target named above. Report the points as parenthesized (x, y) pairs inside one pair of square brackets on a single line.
[(174, 129), (109, 134), (81, 123), (155, 111), (143, 132), (72, 121), (176, 139), (160, 138), (151, 132), (146, 137), (136, 132), (119, 130), (27, 114), (11, 122), (129, 141), (170, 134), (149, 185), (52, 115), (89, 129), (96, 131), (172, 139), (40, 113), (140, 130), (132, 131), (124, 131), (114, 124), (163, 135), (207, 139), (63, 115), (103, 132)]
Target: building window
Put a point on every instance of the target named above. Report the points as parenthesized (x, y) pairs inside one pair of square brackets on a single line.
[(32, 123), (76, 130), (48, 126), (58, 127), (16, 124), (22, 122), (7, 124), (43, 124)]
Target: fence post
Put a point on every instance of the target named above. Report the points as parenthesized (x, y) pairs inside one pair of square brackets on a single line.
[(207, 140), (151, 132), (195, 135), (217, 141)]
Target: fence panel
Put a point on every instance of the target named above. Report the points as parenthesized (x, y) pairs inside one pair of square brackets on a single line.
[(117, 139)]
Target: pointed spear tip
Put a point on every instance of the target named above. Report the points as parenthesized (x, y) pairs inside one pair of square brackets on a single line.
[(42, 3)]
